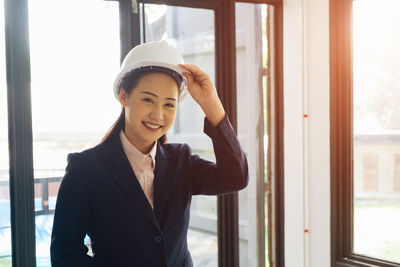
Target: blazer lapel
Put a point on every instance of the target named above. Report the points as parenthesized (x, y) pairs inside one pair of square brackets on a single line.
[(163, 180), (123, 175)]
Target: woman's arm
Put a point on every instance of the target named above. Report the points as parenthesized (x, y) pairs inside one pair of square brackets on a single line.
[(230, 173), (71, 219)]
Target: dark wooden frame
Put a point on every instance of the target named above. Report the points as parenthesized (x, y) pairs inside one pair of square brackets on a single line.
[(20, 133), (278, 144), (20, 119), (341, 143)]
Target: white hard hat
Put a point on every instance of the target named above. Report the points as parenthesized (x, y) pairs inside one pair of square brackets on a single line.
[(158, 56)]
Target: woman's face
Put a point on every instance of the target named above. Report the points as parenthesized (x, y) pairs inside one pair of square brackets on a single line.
[(150, 109)]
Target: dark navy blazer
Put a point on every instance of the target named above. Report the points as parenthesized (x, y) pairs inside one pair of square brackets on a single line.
[(101, 197)]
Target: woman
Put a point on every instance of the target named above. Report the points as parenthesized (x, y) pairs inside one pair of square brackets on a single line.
[(131, 194)]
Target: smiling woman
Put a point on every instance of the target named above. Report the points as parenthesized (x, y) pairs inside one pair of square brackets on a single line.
[(131, 194)]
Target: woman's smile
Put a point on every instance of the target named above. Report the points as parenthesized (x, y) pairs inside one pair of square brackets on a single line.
[(151, 126)]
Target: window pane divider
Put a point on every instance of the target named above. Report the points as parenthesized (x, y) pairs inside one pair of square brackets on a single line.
[(20, 133)]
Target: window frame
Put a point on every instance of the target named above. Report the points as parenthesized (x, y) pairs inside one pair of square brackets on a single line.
[(341, 142), (20, 133)]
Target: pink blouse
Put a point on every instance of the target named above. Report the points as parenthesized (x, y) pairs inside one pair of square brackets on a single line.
[(142, 165)]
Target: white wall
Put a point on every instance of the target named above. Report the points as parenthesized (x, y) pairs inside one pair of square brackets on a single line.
[(307, 166)]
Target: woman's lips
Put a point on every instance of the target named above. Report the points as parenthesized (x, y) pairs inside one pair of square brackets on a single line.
[(151, 126)]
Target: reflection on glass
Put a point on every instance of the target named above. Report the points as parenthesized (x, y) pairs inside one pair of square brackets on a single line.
[(73, 63), (377, 129), (191, 31), (251, 57), (5, 223)]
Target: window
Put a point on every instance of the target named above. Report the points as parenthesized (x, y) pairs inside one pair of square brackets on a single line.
[(73, 66), (376, 118), (252, 51), (365, 129)]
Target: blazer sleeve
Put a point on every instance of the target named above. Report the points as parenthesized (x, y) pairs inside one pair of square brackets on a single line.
[(229, 173), (71, 219)]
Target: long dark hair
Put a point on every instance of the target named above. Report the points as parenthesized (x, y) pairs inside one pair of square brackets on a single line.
[(128, 83)]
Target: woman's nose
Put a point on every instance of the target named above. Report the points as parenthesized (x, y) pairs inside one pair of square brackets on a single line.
[(157, 113)]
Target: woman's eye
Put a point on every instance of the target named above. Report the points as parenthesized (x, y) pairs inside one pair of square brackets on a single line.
[(169, 105), (147, 100)]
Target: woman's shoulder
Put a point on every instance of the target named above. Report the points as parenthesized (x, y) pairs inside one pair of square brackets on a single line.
[(86, 156)]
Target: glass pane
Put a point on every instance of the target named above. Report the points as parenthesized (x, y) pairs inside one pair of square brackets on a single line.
[(5, 223), (191, 31), (251, 58), (377, 129), (73, 63)]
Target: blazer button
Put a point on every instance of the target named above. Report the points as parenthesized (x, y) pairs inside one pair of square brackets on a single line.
[(157, 239)]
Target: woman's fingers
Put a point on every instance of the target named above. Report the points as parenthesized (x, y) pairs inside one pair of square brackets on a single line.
[(192, 77), (204, 93), (191, 68), (200, 85), (189, 79), (198, 74)]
